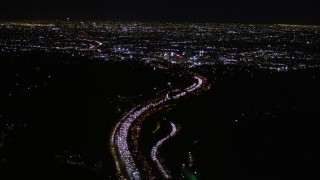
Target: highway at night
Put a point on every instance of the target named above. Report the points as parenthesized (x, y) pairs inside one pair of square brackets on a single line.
[(124, 161), (155, 150)]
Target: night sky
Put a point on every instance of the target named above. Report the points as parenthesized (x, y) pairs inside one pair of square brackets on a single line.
[(241, 11)]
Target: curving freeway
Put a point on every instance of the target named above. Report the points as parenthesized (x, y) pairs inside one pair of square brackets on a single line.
[(165, 173), (124, 161)]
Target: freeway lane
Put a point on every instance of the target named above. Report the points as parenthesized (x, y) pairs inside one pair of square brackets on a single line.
[(124, 161), (165, 173)]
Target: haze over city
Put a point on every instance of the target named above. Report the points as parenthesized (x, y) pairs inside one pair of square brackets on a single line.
[(231, 11)]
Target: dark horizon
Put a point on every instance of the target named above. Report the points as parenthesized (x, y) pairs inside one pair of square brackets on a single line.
[(202, 11), (152, 21)]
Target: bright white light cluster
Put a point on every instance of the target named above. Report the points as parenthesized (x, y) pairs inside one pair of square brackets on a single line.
[(121, 131), (154, 152)]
